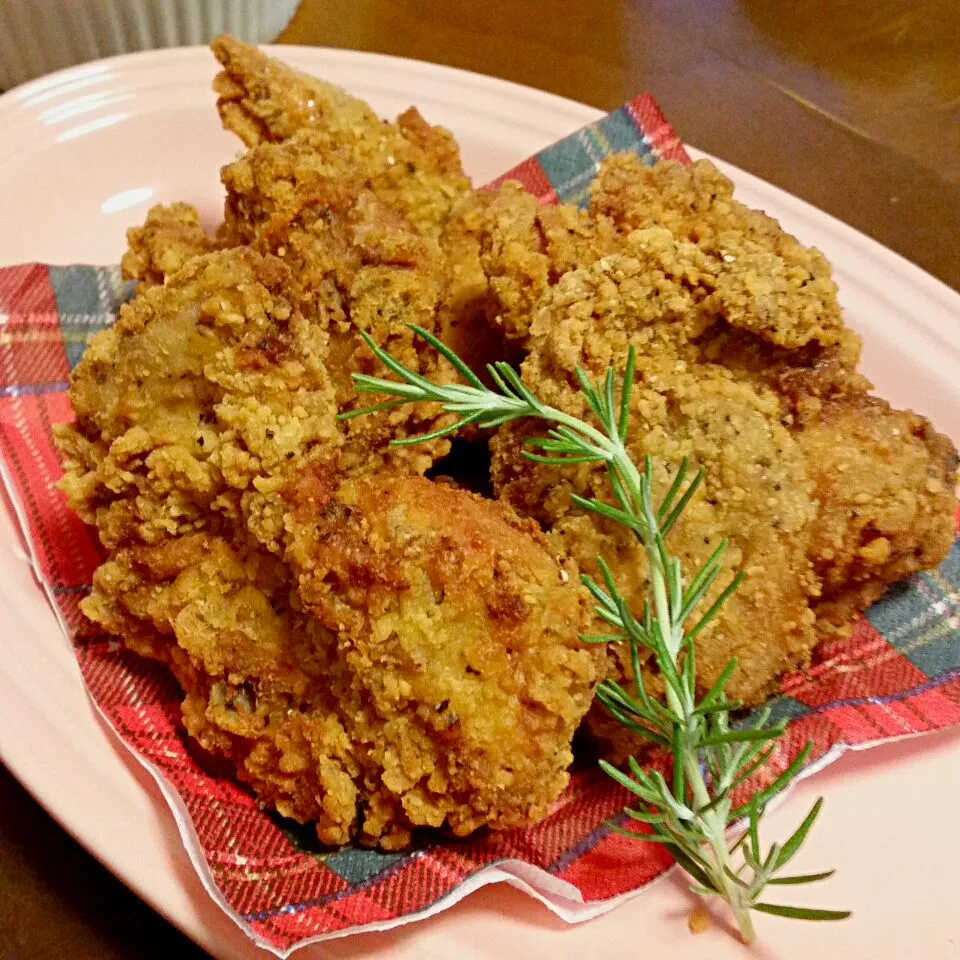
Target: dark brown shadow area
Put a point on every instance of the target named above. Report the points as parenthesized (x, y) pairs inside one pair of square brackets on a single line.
[(58, 901)]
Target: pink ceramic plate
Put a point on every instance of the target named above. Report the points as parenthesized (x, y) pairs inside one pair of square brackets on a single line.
[(83, 154)]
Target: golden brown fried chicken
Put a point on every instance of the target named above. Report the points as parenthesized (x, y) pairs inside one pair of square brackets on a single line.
[(884, 481), (773, 286), (826, 494), (506, 250), (371, 655), (428, 673), (169, 237), (261, 99), (197, 404), (746, 270), (354, 206), (459, 632), (356, 264), (756, 492), (409, 165), (261, 680)]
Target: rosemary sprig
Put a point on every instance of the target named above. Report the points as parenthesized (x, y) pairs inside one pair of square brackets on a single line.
[(694, 814)]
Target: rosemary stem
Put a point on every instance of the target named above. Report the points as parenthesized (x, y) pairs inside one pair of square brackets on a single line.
[(693, 813), (713, 820), (714, 823)]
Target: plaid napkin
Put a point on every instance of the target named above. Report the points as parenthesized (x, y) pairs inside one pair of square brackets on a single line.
[(899, 674)]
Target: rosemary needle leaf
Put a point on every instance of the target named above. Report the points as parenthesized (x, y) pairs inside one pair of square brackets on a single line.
[(637, 835), (716, 691), (679, 780), (433, 434), (688, 864), (650, 818), (704, 891), (667, 525), (448, 354), (717, 604), (609, 401), (801, 913), (788, 774), (752, 855), (606, 510), (638, 728), (597, 592), (582, 458), (741, 736), (500, 382), (586, 386), (628, 375), (671, 494), (398, 368), (516, 384), (793, 844), (388, 405), (735, 878), (627, 782), (751, 767), (726, 706), (803, 878)]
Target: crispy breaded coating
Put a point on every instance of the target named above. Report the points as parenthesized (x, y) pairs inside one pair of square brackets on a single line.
[(506, 250), (411, 166), (755, 493), (274, 184), (356, 264), (884, 479), (885, 482), (459, 632), (193, 408), (826, 493), (305, 617), (170, 236), (262, 681), (739, 266), (260, 99), (777, 288), (421, 669)]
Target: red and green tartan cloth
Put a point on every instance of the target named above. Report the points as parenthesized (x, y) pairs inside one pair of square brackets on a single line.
[(899, 674)]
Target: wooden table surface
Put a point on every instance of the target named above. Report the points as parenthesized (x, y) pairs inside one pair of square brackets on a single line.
[(853, 106)]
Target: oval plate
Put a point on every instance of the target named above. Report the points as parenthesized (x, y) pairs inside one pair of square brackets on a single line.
[(98, 145)]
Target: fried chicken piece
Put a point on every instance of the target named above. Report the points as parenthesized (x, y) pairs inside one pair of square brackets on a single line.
[(193, 412), (197, 404), (885, 484), (756, 492), (428, 674), (207, 453), (261, 99), (459, 631), (170, 236), (774, 286), (409, 165), (884, 479), (261, 680), (506, 250), (859, 495), (738, 266), (356, 264)]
